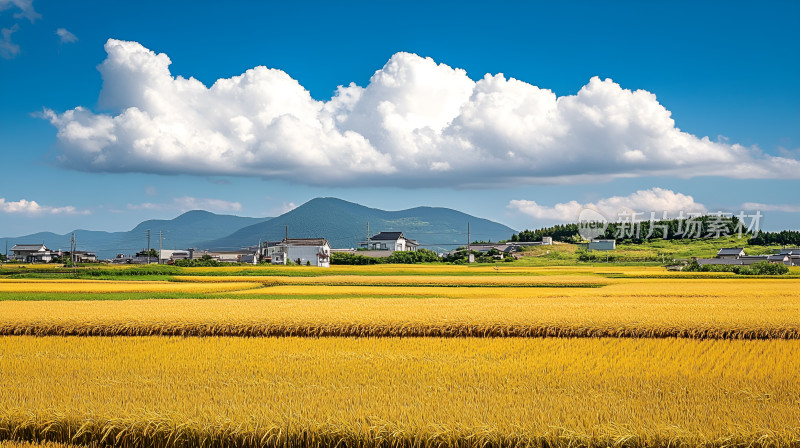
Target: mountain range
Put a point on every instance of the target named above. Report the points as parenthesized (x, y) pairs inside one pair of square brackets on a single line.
[(342, 223)]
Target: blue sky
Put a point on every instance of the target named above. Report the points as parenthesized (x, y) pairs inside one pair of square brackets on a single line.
[(421, 133)]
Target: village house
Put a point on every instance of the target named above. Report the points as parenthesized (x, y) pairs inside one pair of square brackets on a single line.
[(167, 256), (736, 256), (81, 256), (503, 249), (394, 241), (122, 259), (249, 256), (313, 251), (733, 253), (793, 254), (33, 253)]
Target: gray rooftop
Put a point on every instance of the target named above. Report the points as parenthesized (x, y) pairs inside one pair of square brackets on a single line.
[(28, 247), (305, 242), (730, 251), (388, 236)]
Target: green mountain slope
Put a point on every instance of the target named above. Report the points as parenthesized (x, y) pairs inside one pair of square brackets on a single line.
[(344, 224)]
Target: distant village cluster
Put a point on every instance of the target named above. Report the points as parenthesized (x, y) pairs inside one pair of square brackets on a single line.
[(318, 251), (304, 251), (736, 256)]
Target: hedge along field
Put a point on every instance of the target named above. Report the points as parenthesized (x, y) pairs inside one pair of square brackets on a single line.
[(418, 392), (434, 269), (498, 281)]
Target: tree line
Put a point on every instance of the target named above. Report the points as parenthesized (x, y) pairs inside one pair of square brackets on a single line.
[(782, 238)]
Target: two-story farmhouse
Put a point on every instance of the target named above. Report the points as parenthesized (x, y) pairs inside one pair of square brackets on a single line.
[(394, 241), (32, 253), (313, 251)]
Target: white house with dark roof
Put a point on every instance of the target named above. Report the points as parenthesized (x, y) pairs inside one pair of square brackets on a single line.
[(394, 241), (313, 251), (731, 252), (32, 253), (792, 253)]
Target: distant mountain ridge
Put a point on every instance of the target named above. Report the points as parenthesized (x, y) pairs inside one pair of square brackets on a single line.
[(342, 223), (181, 232)]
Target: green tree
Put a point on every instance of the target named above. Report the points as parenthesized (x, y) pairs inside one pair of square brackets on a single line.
[(767, 268), (152, 253)]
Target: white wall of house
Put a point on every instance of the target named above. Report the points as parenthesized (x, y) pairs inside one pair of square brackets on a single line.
[(385, 245), (42, 255), (310, 254), (400, 244)]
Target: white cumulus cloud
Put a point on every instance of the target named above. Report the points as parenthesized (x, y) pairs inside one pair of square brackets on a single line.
[(25, 8), (417, 123), (65, 36), (186, 203), (655, 200), (8, 49), (32, 208), (786, 208), (285, 207)]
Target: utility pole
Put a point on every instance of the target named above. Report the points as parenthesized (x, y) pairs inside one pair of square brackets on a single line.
[(159, 246), (369, 238), (469, 240), (148, 246), (72, 249), (285, 249)]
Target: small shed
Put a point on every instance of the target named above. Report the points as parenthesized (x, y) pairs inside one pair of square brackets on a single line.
[(602, 245)]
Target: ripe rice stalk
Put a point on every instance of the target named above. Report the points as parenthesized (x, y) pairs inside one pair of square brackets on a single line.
[(420, 392), (640, 309)]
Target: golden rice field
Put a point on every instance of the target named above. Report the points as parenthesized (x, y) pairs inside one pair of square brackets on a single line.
[(401, 357), (412, 280), (418, 392), (686, 308), (105, 286)]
